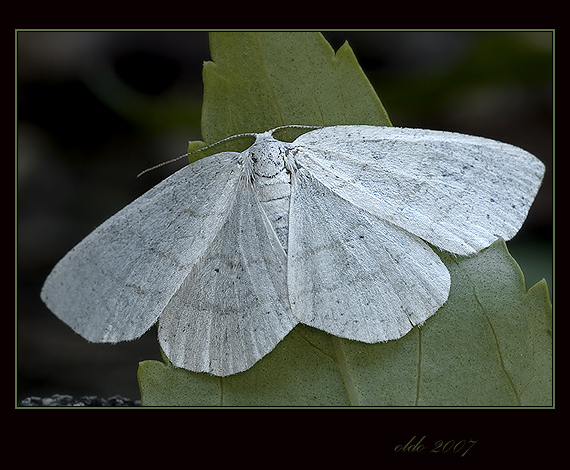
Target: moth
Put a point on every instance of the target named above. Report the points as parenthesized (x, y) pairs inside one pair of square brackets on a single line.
[(332, 230)]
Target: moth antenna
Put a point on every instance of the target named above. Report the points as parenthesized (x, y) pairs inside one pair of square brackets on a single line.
[(172, 160), (297, 126), (192, 153)]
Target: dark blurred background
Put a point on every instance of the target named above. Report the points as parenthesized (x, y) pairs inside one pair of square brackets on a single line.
[(96, 108)]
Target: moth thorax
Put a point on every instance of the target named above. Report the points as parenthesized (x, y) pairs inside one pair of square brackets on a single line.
[(268, 157)]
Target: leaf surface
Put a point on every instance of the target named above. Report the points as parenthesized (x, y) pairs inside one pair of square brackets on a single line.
[(259, 81), (490, 344)]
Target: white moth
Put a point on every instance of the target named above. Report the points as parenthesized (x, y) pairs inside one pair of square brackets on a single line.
[(232, 251)]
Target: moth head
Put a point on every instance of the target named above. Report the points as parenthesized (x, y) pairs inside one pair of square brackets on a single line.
[(267, 155)]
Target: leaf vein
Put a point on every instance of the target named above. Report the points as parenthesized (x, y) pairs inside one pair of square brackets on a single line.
[(269, 82), (500, 355), (342, 364), (419, 370)]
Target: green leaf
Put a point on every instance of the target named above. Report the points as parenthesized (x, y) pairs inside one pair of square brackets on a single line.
[(490, 344), (259, 81)]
